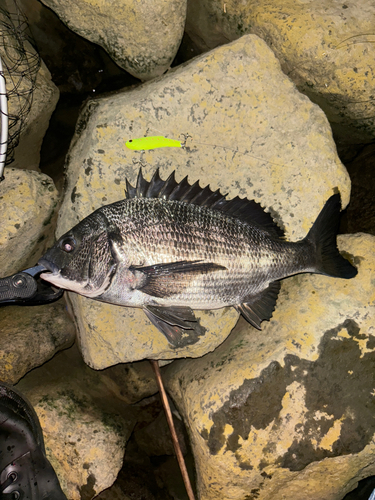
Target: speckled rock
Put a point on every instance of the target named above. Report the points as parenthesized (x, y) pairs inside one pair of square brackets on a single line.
[(141, 37), (287, 412), (30, 336), (85, 427), (247, 137), (326, 48), (28, 202)]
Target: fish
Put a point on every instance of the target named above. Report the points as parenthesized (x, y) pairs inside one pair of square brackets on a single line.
[(173, 247)]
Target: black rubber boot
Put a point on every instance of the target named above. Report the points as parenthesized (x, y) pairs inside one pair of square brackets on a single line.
[(25, 472)]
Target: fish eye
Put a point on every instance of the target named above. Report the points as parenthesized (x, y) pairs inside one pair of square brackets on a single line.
[(68, 244)]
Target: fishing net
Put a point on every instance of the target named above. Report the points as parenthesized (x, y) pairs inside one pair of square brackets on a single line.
[(20, 63)]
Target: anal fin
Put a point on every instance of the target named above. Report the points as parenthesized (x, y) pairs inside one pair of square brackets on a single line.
[(178, 324), (260, 307)]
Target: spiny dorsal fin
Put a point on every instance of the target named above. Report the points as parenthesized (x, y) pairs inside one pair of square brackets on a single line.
[(170, 189)]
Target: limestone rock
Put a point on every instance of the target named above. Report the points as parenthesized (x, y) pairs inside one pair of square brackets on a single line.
[(274, 413), (141, 37), (85, 427), (326, 48), (247, 136), (30, 336), (28, 202)]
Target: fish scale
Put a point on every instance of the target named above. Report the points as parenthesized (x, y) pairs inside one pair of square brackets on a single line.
[(172, 247)]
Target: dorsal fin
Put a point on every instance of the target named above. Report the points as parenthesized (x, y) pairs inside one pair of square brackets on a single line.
[(241, 208)]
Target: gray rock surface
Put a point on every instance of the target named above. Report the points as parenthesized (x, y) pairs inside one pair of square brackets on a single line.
[(141, 37), (251, 133), (273, 414)]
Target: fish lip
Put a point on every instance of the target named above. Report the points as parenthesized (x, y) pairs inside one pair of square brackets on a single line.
[(50, 266)]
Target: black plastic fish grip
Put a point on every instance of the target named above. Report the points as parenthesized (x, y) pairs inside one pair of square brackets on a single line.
[(25, 288), (17, 287)]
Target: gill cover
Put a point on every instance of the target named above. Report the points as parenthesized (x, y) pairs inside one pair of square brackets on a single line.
[(81, 260)]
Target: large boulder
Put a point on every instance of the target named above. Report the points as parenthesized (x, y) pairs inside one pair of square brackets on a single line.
[(247, 131), (141, 37), (326, 48), (273, 414)]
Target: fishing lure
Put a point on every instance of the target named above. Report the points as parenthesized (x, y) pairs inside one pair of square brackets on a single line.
[(153, 142), (159, 141)]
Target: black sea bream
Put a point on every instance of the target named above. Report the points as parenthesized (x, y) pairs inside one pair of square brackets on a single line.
[(172, 247)]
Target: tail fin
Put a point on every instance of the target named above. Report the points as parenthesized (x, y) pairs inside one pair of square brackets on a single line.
[(322, 236)]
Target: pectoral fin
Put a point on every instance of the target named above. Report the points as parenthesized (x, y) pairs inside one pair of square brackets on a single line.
[(178, 324), (259, 307), (165, 280)]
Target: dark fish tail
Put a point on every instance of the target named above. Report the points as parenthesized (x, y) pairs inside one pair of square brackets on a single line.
[(322, 236)]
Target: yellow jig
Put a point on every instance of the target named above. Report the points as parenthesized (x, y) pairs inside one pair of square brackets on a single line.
[(159, 141), (154, 142)]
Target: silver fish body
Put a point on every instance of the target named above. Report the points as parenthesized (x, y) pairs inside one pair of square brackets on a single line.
[(155, 231), (172, 247)]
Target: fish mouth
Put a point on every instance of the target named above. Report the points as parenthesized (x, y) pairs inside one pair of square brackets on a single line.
[(49, 266)]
